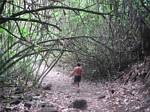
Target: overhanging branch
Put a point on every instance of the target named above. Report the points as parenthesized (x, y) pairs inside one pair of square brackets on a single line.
[(59, 7), (51, 7), (3, 20)]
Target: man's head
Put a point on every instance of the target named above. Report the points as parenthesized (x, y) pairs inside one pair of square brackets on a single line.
[(78, 64)]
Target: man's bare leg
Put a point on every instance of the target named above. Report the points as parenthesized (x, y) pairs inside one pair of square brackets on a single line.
[(78, 85)]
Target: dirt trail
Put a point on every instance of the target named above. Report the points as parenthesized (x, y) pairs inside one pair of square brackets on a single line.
[(99, 97), (64, 92)]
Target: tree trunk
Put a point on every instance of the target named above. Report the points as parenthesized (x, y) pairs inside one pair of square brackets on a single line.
[(2, 4), (145, 35)]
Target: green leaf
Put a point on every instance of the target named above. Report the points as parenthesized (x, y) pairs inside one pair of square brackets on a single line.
[(25, 32), (10, 38), (2, 30), (12, 53)]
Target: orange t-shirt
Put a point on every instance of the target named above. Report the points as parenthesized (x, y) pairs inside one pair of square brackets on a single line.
[(78, 71)]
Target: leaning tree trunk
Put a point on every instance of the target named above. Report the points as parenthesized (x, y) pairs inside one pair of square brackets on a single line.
[(145, 35), (2, 4)]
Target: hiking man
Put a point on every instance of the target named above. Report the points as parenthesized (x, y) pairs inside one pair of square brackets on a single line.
[(77, 73)]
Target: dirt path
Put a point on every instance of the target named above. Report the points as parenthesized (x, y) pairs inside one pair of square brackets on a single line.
[(100, 97), (64, 92)]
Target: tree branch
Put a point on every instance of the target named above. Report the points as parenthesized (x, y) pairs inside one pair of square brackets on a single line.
[(22, 40), (58, 7), (3, 20)]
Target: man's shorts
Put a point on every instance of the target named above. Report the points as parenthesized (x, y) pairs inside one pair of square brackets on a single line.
[(77, 79)]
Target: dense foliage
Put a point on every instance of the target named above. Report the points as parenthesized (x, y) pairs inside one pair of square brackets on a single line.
[(104, 35)]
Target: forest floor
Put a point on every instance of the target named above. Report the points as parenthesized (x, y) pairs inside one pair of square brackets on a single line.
[(57, 94), (108, 97)]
